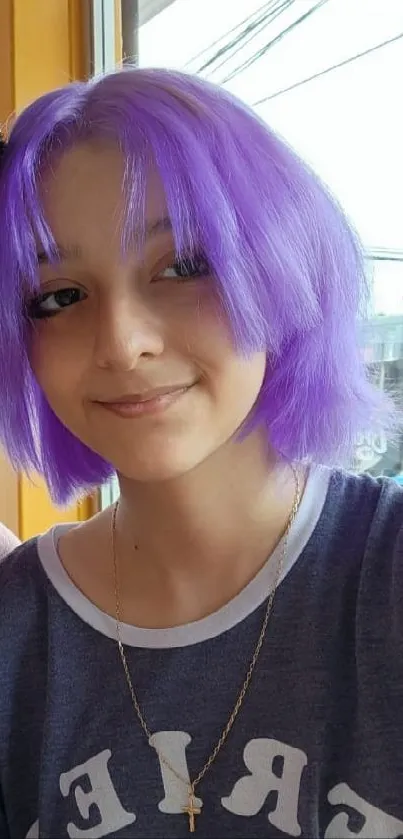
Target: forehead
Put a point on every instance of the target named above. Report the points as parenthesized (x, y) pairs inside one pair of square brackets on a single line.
[(85, 187)]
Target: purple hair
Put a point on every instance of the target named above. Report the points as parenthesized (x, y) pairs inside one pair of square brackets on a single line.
[(289, 268)]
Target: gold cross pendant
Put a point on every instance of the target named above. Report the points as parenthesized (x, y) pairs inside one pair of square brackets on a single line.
[(191, 810)]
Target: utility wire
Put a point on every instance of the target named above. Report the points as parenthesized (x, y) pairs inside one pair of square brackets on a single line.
[(215, 43), (378, 258), (383, 255), (248, 63), (328, 70), (385, 251), (269, 18), (251, 25)]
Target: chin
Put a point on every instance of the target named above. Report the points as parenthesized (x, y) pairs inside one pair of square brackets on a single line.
[(153, 469)]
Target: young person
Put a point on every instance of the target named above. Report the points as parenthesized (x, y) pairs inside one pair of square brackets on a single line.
[(220, 652)]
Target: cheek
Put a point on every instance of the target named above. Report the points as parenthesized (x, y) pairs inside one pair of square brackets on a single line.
[(233, 380), (55, 364), (244, 378), (234, 387), (206, 328), (208, 336)]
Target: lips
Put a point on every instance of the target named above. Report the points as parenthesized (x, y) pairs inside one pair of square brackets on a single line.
[(146, 396), (149, 402)]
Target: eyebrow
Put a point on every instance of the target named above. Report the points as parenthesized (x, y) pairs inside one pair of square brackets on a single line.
[(61, 253), (58, 254)]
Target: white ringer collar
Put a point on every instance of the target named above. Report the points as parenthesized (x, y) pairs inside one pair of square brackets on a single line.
[(239, 608)]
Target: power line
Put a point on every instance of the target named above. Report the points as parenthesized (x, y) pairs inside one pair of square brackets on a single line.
[(328, 70), (248, 63), (379, 258), (269, 18), (385, 255), (229, 32), (251, 25)]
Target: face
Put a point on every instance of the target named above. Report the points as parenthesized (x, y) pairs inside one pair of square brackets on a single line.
[(132, 350)]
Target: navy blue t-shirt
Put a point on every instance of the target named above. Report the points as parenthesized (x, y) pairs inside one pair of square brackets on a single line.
[(317, 749)]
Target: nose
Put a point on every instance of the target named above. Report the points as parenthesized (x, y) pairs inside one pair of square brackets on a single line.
[(126, 332)]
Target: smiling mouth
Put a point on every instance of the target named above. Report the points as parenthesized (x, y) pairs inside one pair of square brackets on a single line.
[(138, 405)]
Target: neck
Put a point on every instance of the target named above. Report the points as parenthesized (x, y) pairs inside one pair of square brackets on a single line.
[(209, 532)]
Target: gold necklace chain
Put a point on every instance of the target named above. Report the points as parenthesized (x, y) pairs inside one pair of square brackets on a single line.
[(192, 810)]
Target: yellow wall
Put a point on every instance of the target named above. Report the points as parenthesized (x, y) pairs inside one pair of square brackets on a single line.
[(9, 505), (36, 512), (43, 44)]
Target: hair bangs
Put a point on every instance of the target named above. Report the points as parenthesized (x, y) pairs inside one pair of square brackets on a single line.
[(170, 138), (288, 266)]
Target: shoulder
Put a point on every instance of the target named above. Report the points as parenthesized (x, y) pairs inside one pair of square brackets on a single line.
[(25, 607), (23, 592), (369, 507), (24, 641), (378, 625), (352, 581), (382, 573), (19, 563), (377, 505), (368, 521), (358, 544), (387, 526), (8, 541)]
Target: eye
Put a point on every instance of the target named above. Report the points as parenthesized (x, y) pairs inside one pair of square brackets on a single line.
[(51, 302), (186, 268)]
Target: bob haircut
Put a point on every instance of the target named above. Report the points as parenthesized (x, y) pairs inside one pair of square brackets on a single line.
[(288, 267)]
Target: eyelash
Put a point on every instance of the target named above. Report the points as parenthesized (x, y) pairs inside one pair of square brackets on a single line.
[(34, 307), (187, 268)]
